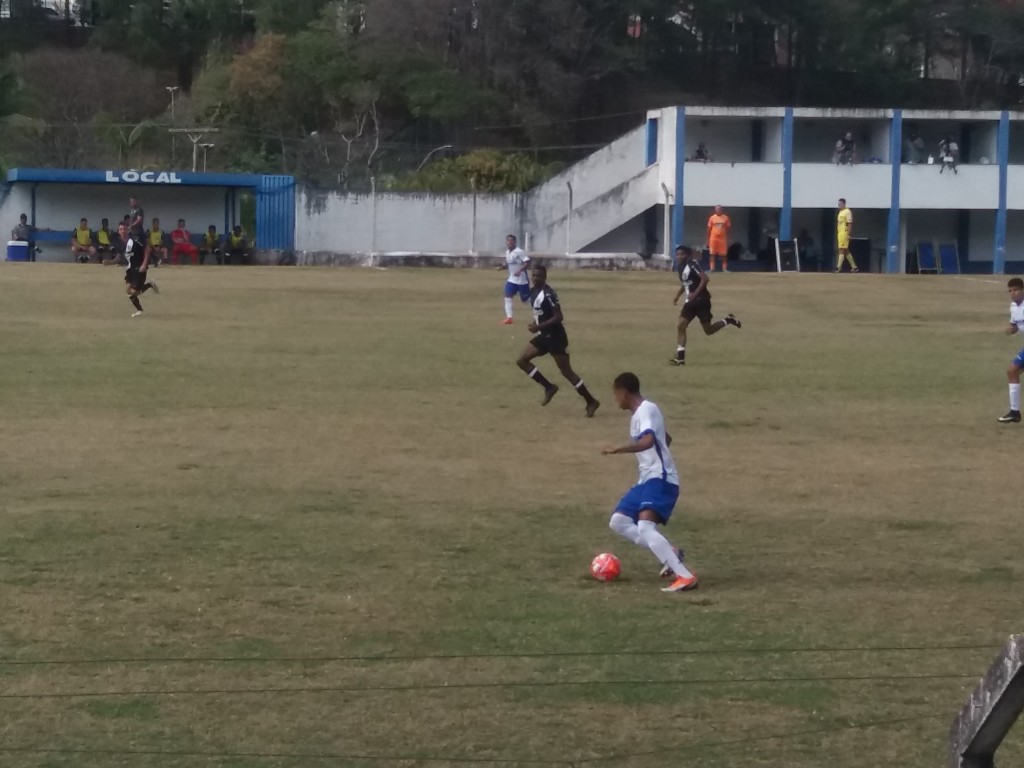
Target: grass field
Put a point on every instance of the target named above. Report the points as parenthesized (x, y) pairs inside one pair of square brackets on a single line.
[(298, 513)]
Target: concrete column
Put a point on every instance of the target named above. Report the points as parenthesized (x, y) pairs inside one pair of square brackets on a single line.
[(786, 215), (892, 246), (680, 166), (1003, 158)]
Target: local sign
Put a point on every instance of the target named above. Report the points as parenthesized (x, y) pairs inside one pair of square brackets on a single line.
[(142, 177)]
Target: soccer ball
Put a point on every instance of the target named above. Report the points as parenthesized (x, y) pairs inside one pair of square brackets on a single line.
[(605, 567)]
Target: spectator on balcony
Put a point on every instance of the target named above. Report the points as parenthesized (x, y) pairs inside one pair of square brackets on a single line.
[(913, 149), (949, 154), (82, 248), (701, 155), (845, 151), (181, 244)]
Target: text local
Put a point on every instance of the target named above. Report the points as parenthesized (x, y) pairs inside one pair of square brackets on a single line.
[(143, 177)]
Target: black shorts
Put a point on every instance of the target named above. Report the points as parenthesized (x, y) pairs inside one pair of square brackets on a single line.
[(698, 308), (551, 342), (135, 278)]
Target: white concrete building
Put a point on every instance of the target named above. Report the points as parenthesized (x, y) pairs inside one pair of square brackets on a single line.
[(771, 168)]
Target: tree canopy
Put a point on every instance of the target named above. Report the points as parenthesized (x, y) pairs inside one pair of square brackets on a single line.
[(342, 91)]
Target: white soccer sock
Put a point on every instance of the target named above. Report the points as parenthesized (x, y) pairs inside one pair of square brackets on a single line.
[(1015, 397), (625, 527), (508, 308), (651, 538)]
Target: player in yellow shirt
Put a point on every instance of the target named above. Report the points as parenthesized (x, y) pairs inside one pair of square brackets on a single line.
[(844, 230), (82, 248), (156, 247)]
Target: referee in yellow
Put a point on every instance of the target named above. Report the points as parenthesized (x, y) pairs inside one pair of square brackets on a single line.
[(844, 229)]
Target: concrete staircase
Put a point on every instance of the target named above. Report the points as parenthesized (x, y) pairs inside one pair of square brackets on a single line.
[(608, 189)]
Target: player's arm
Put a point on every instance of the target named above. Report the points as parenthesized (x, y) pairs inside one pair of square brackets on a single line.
[(555, 319), (645, 443), (679, 293), (1011, 329), (525, 267)]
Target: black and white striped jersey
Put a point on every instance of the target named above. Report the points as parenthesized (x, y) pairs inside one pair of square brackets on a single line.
[(690, 273)]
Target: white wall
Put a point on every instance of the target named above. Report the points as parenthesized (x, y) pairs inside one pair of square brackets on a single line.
[(975, 186), (405, 222), (983, 237), (1015, 236), (773, 140), (814, 140), (60, 206), (728, 141), (757, 185), (821, 185), (593, 176), (1015, 187)]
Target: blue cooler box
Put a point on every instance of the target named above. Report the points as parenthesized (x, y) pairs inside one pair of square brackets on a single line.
[(17, 250)]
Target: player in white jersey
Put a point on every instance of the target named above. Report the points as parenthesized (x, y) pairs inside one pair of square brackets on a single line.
[(1016, 288), (518, 282), (650, 502)]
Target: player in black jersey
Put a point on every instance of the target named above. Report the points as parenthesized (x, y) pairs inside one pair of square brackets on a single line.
[(550, 339), (694, 283), (134, 251)]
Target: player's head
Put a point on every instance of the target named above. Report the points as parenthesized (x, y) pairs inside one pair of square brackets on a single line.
[(626, 389), (156, 223), (83, 223), (134, 202), (104, 223), (718, 210), (510, 242), (213, 228), (181, 223), (23, 218), (122, 229), (1016, 288), (540, 274), (842, 203)]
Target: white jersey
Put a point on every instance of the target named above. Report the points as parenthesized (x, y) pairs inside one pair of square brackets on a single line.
[(517, 260), (656, 462), (1017, 316)]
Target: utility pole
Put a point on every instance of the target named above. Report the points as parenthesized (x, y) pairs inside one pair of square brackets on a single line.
[(206, 147), (195, 135), (171, 90)]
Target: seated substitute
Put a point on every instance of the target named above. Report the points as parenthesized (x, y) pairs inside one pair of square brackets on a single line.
[(105, 238), (82, 249), (237, 246), (211, 246), (156, 245), (25, 233), (181, 244)]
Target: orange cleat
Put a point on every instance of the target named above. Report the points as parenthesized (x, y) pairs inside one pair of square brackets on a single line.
[(682, 584), (507, 321)]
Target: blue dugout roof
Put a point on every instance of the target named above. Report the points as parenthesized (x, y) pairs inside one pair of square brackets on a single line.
[(133, 177)]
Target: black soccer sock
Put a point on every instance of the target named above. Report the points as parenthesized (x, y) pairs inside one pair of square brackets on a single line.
[(145, 288), (680, 353), (135, 302), (537, 376), (584, 392)]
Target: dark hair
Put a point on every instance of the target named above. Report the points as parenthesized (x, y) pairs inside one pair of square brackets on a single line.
[(842, 200), (628, 382), (1015, 282), (181, 221), (541, 268), (513, 237)]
